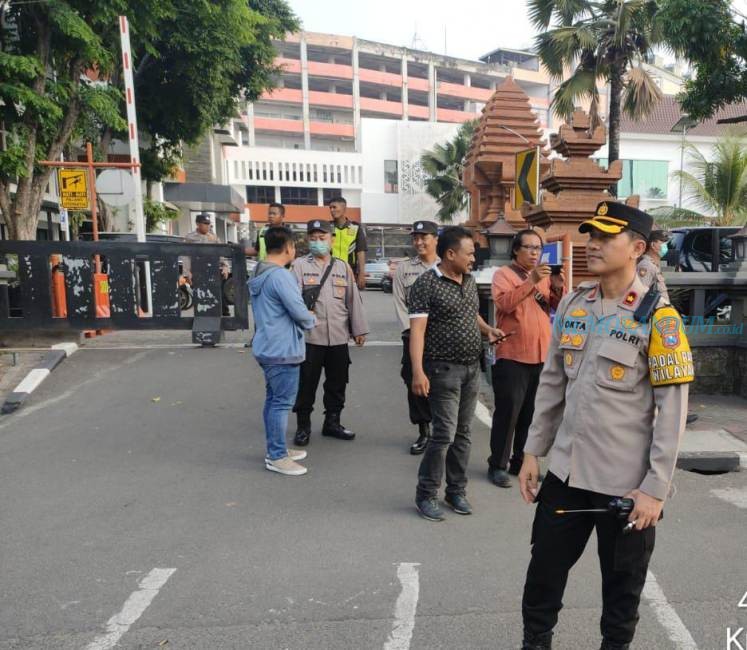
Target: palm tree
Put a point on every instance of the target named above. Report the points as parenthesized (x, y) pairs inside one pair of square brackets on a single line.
[(444, 165), (603, 40), (718, 186)]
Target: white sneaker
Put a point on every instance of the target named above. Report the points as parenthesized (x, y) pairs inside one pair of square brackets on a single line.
[(285, 466), (294, 454), (297, 454)]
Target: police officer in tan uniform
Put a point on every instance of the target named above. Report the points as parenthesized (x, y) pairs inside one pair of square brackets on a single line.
[(610, 411), (339, 317), (649, 266), (424, 239)]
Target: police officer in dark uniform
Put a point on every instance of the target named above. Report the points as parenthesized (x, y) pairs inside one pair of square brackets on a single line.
[(424, 239), (610, 409), (339, 317)]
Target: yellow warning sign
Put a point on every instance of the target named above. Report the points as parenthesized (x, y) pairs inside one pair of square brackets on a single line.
[(73, 189), (526, 185)]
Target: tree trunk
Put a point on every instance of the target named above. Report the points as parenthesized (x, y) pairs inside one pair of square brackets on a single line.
[(615, 99)]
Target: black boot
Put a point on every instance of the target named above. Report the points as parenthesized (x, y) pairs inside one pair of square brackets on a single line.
[(418, 447), (537, 641), (334, 429), (608, 645), (303, 432)]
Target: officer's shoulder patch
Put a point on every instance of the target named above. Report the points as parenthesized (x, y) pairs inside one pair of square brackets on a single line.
[(670, 360)]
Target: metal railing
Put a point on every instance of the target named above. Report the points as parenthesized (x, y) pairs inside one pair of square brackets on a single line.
[(121, 285)]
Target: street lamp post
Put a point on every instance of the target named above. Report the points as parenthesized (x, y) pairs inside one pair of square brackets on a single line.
[(681, 126)]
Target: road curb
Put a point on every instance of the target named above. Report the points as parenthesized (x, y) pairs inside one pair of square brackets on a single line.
[(709, 461), (53, 358)]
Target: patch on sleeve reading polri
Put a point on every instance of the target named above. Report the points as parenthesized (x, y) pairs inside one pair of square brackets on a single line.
[(670, 360)]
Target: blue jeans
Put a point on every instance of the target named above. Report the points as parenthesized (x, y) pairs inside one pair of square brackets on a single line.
[(281, 383)]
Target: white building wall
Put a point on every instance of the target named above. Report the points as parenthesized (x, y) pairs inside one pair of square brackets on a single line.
[(378, 143), (662, 147), (404, 142)]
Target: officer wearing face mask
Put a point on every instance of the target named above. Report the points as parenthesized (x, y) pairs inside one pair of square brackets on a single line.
[(329, 289), (649, 266)]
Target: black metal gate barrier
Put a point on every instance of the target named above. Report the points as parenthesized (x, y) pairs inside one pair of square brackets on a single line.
[(52, 285)]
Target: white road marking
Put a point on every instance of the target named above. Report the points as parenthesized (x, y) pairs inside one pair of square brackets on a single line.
[(482, 413), (95, 377), (32, 380), (735, 496), (68, 347), (405, 608), (666, 615), (132, 610)]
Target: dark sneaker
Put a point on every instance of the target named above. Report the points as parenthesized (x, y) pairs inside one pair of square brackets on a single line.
[(333, 429), (691, 417), (303, 435), (429, 509), (514, 466), (499, 477), (459, 504), (608, 645), (537, 641), (418, 447)]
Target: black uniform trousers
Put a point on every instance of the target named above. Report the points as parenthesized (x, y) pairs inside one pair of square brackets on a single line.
[(558, 542), (514, 389), (335, 360), (420, 410)]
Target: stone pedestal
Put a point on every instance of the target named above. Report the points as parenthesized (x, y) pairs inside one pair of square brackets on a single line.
[(507, 125), (573, 186)]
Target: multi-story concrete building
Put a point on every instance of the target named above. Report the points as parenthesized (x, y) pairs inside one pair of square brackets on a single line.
[(351, 116)]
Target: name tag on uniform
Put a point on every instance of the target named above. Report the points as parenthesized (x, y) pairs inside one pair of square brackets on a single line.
[(311, 280), (340, 282)]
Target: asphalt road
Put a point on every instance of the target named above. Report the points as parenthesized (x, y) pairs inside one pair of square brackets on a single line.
[(129, 460)]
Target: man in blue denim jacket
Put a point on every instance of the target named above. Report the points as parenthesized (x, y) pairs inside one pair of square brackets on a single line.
[(280, 318)]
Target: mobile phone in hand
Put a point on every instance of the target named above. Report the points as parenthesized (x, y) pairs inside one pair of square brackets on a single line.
[(556, 269)]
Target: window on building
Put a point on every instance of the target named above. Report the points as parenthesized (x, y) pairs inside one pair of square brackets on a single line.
[(260, 194), (329, 193), (299, 195), (647, 178), (391, 177)]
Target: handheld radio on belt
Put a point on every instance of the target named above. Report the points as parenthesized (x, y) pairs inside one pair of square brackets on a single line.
[(647, 305)]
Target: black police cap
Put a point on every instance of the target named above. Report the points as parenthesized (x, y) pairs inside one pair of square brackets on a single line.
[(320, 225), (424, 228), (613, 218)]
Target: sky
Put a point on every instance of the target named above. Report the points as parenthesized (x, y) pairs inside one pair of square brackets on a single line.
[(473, 27)]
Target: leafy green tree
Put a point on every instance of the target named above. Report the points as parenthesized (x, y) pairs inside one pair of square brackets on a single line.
[(60, 81), (212, 57), (711, 35), (716, 185), (444, 165), (601, 41)]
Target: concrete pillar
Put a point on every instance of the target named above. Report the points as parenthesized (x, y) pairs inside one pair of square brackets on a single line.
[(305, 94), (278, 196), (432, 92), (383, 95), (405, 99), (320, 197), (467, 79), (493, 85), (250, 124), (356, 98)]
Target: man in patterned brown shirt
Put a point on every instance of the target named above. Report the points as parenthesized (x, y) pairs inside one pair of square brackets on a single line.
[(445, 349)]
